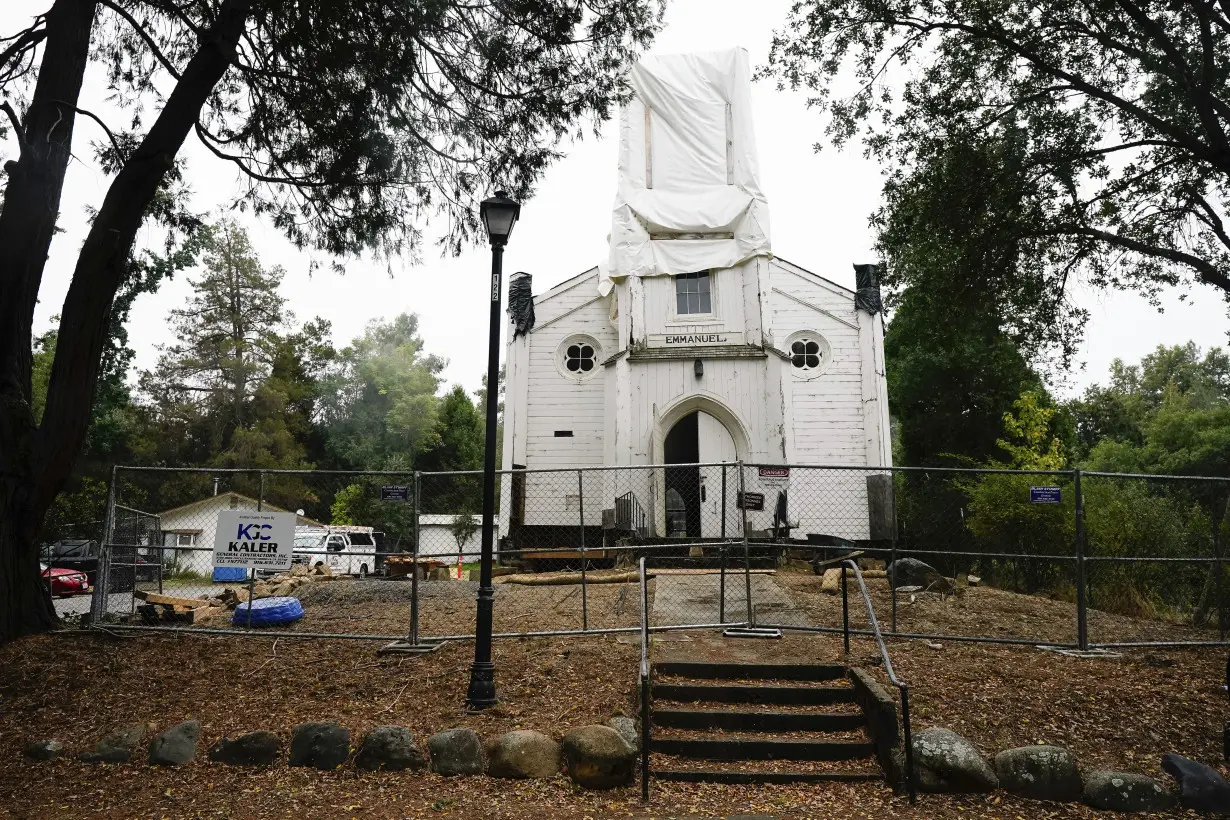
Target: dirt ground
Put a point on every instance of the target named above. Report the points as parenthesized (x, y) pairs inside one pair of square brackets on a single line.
[(1121, 713), (1118, 713)]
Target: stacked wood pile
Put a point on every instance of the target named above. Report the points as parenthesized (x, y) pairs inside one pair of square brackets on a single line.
[(158, 607)]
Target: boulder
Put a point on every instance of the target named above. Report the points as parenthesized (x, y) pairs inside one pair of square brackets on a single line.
[(1123, 791), (456, 751), (523, 754), (907, 572), (947, 762), (44, 749), (319, 745), (626, 727), (1200, 787), (300, 570), (1039, 772), (176, 745), (598, 757), (391, 748), (322, 569), (117, 747), (253, 749), (283, 590)]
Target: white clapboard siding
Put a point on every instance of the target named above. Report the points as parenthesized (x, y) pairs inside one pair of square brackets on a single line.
[(727, 290), (559, 403)]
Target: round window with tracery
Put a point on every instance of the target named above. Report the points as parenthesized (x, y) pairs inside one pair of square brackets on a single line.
[(579, 358), (805, 354)]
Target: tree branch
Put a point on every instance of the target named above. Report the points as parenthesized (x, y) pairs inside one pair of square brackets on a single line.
[(1206, 271), (17, 129), (144, 35), (25, 41), (114, 142)]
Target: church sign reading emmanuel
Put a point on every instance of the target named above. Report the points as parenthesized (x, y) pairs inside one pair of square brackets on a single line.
[(694, 339)]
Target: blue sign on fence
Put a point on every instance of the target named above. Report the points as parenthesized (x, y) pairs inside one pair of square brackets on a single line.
[(394, 492), (1045, 495)]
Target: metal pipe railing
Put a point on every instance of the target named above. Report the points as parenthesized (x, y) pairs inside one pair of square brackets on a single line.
[(645, 682), (910, 779)]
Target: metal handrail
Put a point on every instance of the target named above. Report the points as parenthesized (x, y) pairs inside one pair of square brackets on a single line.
[(910, 780), (645, 683)]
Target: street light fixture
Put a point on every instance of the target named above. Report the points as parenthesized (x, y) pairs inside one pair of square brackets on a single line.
[(499, 215)]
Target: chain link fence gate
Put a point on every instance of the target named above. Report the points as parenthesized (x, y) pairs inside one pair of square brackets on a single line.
[(1058, 558)]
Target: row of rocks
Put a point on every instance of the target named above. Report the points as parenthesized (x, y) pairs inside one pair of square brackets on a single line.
[(595, 757), (946, 762)]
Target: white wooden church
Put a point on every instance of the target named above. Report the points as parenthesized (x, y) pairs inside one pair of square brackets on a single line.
[(693, 343)]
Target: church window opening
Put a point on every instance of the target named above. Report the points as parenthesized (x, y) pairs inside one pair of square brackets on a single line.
[(693, 294), (805, 354), (579, 358)]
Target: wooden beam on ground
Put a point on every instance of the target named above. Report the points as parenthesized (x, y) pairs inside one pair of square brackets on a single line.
[(167, 600)]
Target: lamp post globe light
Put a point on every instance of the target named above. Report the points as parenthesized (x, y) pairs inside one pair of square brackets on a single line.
[(499, 215)]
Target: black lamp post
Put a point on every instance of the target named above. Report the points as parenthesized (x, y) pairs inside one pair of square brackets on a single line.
[(499, 214)]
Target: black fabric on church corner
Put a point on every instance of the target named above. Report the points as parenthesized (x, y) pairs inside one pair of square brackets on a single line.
[(521, 303), (867, 288)]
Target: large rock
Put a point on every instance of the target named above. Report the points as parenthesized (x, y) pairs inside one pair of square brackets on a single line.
[(117, 747), (253, 749), (389, 747), (598, 757), (947, 762), (626, 727), (1040, 772), (176, 745), (1123, 791), (1200, 787), (44, 749), (319, 745), (910, 572), (523, 754), (456, 751)]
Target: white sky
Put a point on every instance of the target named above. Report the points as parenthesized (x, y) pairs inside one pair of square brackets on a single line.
[(819, 205)]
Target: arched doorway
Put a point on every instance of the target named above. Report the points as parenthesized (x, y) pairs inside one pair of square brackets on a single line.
[(696, 499)]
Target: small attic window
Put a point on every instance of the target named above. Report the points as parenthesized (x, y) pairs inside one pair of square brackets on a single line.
[(693, 294)]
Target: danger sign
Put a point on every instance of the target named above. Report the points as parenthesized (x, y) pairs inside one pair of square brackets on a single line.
[(259, 540)]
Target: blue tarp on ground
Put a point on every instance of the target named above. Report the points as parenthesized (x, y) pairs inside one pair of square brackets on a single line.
[(227, 574)]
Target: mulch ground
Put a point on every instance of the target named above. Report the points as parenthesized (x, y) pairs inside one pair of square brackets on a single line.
[(1114, 713)]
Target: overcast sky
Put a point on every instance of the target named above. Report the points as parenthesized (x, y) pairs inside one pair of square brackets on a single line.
[(819, 208)]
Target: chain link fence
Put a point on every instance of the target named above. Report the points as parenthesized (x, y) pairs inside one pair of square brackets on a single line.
[(1058, 558)]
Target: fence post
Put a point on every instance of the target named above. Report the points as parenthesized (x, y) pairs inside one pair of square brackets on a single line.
[(723, 503), (892, 556), (98, 603), (1082, 622), (724, 553), (414, 567), (584, 586), (260, 505), (1221, 604), (747, 559), (845, 610)]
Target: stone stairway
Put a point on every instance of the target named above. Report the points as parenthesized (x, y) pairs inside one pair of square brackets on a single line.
[(757, 723)]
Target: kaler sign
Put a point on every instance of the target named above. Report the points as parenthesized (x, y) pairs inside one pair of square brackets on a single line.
[(260, 540)]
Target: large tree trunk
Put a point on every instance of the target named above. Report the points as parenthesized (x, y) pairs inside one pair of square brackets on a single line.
[(25, 604), (35, 464), (27, 223)]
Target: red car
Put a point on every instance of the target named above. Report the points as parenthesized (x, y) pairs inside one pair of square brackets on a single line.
[(65, 582)]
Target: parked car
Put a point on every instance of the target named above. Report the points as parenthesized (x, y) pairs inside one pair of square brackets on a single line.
[(65, 583), (81, 555)]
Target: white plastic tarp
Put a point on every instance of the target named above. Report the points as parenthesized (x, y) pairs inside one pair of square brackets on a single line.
[(688, 196)]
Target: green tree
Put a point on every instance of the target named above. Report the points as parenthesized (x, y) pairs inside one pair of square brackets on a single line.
[(1117, 113), (350, 121), (379, 404)]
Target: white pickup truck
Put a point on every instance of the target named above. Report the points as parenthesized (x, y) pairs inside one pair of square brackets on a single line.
[(346, 550)]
